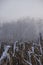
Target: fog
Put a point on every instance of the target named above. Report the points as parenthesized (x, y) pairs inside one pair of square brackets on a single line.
[(21, 19), (16, 9), (24, 29)]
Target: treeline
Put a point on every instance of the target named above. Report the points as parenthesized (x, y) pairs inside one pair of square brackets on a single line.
[(23, 29)]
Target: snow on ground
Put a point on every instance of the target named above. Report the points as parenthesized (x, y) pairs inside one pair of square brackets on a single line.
[(5, 54)]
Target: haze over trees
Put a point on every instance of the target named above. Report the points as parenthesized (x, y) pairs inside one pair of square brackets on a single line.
[(23, 29)]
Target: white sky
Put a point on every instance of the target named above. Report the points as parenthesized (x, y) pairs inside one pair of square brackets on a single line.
[(15, 9)]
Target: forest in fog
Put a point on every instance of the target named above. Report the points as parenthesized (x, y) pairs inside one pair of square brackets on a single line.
[(23, 29)]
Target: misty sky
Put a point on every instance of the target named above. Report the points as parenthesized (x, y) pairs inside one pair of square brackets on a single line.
[(15, 9)]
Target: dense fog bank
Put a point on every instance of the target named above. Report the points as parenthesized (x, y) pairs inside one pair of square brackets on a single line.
[(23, 29)]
